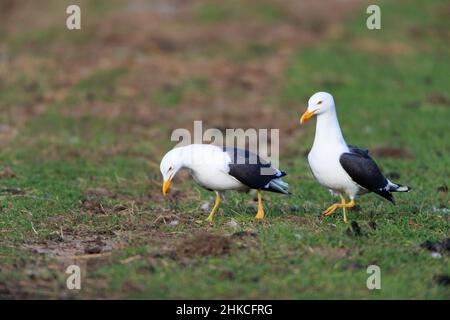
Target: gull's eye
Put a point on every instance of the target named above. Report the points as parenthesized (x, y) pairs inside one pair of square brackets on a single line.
[(320, 102), (170, 169)]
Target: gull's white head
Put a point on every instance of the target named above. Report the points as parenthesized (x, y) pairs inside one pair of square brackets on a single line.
[(171, 163), (319, 103)]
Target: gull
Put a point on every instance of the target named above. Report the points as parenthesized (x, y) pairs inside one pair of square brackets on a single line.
[(221, 169), (338, 166)]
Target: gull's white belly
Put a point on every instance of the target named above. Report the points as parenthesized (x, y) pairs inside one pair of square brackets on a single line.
[(216, 179), (329, 172)]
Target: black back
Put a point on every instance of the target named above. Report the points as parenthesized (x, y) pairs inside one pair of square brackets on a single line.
[(364, 171), (355, 149), (246, 167)]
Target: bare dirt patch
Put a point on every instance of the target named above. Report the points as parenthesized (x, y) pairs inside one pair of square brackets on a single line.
[(7, 173), (391, 152), (381, 47), (99, 192), (94, 206), (438, 98), (73, 246), (95, 202), (13, 191), (203, 244)]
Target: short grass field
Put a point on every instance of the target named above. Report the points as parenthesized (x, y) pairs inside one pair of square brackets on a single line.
[(86, 116)]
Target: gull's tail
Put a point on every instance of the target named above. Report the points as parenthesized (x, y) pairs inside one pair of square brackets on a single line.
[(395, 187), (391, 187), (277, 185)]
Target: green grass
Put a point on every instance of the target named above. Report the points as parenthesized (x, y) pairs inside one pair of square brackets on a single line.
[(172, 95), (99, 86), (383, 98), (217, 11), (211, 13)]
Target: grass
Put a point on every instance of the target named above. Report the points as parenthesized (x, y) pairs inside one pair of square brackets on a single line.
[(98, 86), (385, 84), (216, 11), (170, 96)]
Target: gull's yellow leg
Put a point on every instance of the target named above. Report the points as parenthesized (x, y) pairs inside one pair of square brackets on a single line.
[(351, 204), (260, 213), (214, 209), (334, 206), (343, 207), (331, 209)]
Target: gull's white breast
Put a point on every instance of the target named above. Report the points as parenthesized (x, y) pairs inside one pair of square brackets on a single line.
[(213, 178), (326, 168)]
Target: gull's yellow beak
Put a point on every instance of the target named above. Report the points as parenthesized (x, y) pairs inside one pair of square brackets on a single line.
[(306, 116), (166, 185)]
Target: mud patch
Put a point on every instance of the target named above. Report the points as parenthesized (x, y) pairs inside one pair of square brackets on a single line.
[(7, 173), (68, 246), (97, 207), (391, 152), (438, 98), (203, 244), (94, 204), (244, 234), (381, 47), (93, 193), (13, 191)]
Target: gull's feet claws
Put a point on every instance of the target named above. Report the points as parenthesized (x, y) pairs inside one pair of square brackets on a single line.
[(330, 210)]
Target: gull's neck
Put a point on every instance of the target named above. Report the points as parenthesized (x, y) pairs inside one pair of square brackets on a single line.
[(182, 156), (328, 130)]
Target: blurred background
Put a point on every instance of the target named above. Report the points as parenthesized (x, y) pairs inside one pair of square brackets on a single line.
[(86, 115), (160, 63)]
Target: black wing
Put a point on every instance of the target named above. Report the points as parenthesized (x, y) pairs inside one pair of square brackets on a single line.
[(358, 150), (247, 167), (364, 171)]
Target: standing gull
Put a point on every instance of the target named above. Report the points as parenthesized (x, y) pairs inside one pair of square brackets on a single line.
[(342, 168), (223, 168)]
